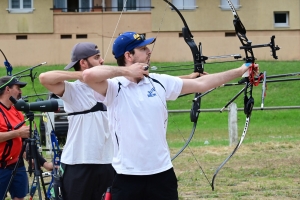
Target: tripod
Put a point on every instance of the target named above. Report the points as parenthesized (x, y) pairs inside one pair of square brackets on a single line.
[(32, 155)]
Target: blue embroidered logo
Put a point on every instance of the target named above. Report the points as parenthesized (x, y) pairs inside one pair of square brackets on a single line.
[(151, 93)]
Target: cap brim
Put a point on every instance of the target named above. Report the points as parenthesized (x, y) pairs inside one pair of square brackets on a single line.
[(70, 65), (21, 84), (146, 42)]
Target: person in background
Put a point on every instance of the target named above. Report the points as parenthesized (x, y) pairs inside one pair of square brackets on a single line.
[(87, 154), (11, 140)]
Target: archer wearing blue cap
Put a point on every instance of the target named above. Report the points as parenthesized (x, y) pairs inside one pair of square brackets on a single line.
[(127, 42), (136, 103)]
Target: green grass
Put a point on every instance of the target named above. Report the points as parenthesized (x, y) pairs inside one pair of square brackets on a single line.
[(266, 125), (267, 164)]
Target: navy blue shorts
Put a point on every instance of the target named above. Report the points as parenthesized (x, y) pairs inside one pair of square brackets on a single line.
[(19, 185)]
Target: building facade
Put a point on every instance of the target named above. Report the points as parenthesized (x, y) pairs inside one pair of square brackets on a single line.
[(35, 31)]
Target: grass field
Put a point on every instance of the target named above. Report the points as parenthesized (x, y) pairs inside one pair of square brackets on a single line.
[(267, 164)]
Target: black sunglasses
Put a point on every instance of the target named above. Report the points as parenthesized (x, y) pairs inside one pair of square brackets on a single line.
[(141, 37)]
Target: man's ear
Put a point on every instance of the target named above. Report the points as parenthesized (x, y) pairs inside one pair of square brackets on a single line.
[(128, 56), (83, 64)]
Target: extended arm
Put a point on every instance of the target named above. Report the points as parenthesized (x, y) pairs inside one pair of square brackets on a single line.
[(96, 77), (193, 75), (210, 81)]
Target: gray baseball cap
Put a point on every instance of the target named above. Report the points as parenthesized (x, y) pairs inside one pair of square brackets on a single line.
[(80, 51)]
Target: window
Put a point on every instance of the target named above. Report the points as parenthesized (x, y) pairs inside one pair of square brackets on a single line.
[(131, 5), (85, 5), (281, 19), (230, 34), (20, 6), (81, 36), (60, 4), (21, 37), (184, 5), (144, 5), (73, 5), (65, 36), (224, 4)]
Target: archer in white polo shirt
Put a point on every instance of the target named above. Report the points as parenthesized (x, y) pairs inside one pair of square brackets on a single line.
[(138, 117)]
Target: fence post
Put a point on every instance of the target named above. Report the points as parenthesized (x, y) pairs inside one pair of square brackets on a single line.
[(232, 124)]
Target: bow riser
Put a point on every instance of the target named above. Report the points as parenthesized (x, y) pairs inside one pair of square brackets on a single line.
[(198, 58)]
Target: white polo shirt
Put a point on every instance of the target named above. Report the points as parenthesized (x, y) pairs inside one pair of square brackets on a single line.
[(138, 118), (89, 140)]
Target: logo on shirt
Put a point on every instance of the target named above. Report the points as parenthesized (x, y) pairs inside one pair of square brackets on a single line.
[(151, 93)]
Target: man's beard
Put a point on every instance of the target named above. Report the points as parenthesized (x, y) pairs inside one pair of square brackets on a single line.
[(89, 64)]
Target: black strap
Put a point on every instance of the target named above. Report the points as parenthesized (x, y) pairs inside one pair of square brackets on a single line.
[(9, 127), (8, 145), (156, 81), (117, 138), (119, 88), (98, 107)]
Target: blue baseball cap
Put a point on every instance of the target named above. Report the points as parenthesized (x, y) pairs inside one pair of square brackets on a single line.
[(128, 41)]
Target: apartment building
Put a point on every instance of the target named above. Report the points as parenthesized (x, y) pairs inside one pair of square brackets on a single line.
[(35, 31)]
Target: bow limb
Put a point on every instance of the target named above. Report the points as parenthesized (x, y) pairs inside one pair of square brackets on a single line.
[(8, 66), (188, 38), (55, 160), (241, 33), (186, 142), (250, 80), (235, 149), (248, 102), (55, 155), (199, 61), (198, 67)]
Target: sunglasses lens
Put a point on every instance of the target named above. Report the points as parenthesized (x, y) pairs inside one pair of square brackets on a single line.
[(142, 37)]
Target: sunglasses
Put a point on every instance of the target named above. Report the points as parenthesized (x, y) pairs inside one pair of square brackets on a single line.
[(136, 36)]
